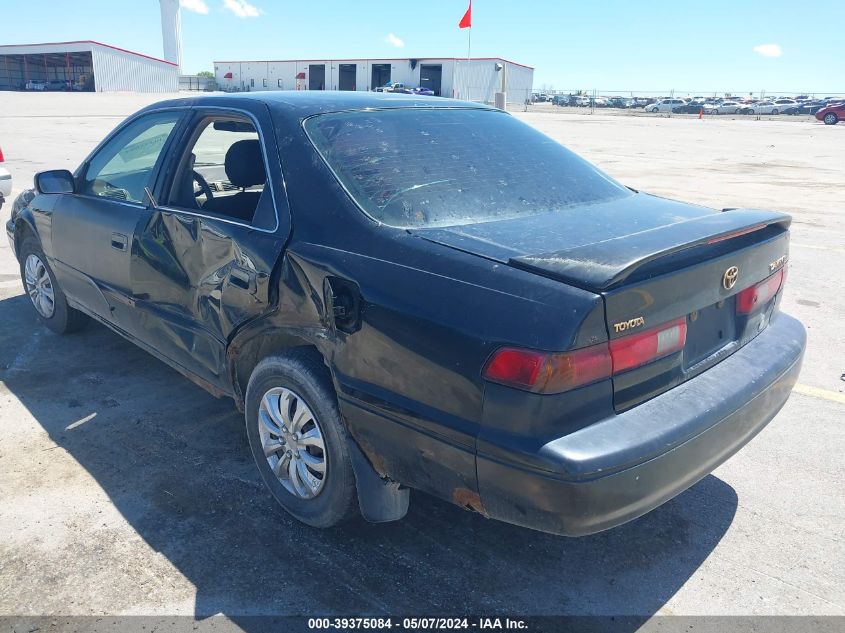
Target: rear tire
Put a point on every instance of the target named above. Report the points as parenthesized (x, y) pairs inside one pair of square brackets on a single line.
[(45, 294), (319, 489), (831, 119), (775, 111)]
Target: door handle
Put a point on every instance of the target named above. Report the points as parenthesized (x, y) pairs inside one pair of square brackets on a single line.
[(119, 241), (240, 278)]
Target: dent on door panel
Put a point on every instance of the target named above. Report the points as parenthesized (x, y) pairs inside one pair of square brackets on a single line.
[(196, 281)]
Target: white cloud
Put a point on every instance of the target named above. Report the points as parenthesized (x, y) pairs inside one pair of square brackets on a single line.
[(769, 50), (197, 6), (394, 41), (242, 8)]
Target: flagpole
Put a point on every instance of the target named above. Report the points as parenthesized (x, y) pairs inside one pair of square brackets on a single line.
[(466, 23)]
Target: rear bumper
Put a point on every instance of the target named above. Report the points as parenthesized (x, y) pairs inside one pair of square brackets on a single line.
[(620, 468)]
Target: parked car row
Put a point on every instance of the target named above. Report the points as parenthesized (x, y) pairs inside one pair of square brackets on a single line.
[(401, 88), (801, 105), (583, 101), (53, 85)]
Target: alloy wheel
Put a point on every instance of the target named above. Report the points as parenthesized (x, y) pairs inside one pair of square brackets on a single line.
[(293, 442), (39, 287)]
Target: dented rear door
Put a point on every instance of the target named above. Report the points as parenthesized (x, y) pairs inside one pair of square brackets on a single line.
[(197, 279)]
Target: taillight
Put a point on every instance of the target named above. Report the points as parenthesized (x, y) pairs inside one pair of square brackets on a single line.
[(757, 296), (1, 155), (555, 372), (641, 348), (548, 372)]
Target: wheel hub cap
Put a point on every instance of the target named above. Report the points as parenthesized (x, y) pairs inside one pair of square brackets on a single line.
[(292, 442), (39, 287)]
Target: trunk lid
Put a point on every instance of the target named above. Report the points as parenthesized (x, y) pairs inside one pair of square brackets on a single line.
[(653, 261)]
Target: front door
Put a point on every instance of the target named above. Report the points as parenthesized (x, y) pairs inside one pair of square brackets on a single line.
[(94, 227), (207, 253)]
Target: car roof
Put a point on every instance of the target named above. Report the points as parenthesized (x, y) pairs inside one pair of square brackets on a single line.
[(305, 103)]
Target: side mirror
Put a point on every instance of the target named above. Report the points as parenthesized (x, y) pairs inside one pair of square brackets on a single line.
[(55, 181)]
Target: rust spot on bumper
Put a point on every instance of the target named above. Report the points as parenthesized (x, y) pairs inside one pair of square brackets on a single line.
[(469, 499)]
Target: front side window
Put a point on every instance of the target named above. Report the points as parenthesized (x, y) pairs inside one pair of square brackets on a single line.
[(416, 167), (222, 171), (125, 165)]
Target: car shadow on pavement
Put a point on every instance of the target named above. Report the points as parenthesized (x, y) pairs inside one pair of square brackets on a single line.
[(175, 462)]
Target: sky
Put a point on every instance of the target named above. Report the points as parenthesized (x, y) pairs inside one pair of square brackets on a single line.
[(610, 46)]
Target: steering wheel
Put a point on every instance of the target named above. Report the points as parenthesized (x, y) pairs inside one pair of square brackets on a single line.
[(204, 188)]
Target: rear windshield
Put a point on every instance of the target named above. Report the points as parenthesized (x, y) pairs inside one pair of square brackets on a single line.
[(439, 167)]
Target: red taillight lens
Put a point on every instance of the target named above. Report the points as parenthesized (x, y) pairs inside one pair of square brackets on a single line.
[(1, 155), (638, 349), (520, 368), (548, 372), (757, 296), (555, 372)]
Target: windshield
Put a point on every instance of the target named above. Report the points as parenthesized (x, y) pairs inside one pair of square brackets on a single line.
[(439, 167)]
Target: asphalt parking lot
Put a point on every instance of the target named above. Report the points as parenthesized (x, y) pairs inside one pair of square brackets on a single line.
[(126, 489)]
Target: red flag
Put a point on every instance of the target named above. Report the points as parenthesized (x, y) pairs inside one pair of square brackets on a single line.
[(466, 21)]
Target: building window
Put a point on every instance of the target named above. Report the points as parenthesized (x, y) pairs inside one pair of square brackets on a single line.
[(264, 82)]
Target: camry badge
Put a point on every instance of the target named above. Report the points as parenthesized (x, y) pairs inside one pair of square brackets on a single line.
[(730, 277), (780, 261)]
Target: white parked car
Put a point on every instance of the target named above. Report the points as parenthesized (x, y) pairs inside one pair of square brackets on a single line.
[(665, 105), (36, 84), (5, 181), (763, 107), (726, 107)]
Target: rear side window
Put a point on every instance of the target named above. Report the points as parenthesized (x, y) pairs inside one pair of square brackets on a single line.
[(439, 167), (222, 170)]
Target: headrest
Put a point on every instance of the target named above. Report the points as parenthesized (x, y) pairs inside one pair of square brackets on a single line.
[(244, 164)]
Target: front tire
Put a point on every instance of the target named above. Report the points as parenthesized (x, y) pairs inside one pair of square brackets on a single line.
[(45, 294), (831, 119), (298, 439)]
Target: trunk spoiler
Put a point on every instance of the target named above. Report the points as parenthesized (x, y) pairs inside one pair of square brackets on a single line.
[(603, 265)]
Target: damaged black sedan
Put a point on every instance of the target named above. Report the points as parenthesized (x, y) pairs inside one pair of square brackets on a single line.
[(412, 293)]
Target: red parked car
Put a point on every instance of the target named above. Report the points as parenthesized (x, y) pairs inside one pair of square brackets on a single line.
[(831, 114)]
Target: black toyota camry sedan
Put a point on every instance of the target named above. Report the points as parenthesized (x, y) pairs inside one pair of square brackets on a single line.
[(404, 292)]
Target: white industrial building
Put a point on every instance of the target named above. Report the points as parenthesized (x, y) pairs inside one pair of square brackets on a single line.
[(476, 79), (85, 65)]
